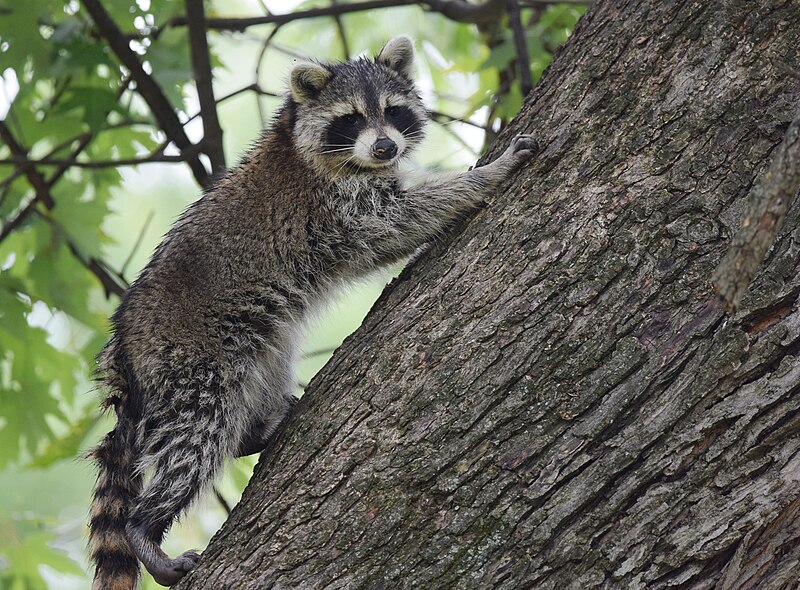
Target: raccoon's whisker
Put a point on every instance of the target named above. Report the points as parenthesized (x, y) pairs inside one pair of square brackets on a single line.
[(409, 127), (341, 166), (344, 149)]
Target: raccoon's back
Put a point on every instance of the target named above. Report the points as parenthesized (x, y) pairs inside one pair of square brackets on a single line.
[(245, 240)]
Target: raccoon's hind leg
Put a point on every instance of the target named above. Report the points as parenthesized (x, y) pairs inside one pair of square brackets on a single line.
[(261, 430), (186, 447), (267, 393)]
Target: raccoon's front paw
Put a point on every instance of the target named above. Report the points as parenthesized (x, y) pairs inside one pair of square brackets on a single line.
[(522, 147)]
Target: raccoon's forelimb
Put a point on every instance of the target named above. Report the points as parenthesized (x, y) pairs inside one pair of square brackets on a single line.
[(466, 190), (425, 207)]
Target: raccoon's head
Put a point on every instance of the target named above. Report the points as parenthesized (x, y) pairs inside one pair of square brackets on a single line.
[(361, 114)]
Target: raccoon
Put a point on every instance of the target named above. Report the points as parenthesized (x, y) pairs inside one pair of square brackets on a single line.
[(200, 366)]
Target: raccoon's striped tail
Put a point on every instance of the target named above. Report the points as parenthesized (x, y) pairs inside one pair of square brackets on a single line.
[(117, 567)]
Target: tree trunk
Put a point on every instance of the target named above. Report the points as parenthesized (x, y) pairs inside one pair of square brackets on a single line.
[(558, 399)]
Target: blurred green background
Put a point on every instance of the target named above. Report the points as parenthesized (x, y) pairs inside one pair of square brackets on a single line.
[(60, 83)]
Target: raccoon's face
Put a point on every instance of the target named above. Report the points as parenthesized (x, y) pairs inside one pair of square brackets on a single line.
[(361, 114)]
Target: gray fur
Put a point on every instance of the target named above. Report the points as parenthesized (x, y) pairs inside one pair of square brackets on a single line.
[(307, 80), (398, 55), (201, 364)]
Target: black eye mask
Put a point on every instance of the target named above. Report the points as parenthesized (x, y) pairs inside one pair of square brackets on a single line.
[(403, 119), (343, 131)]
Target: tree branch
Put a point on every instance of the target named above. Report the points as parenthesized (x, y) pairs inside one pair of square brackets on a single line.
[(251, 88), (83, 141), (137, 243), (201, 65), (69, 162), (42, 195), (769, 201), (21, 154), (458, 10), (340, 29), (257, 73), (112, 282), (145, 85), (523, 61), (464, 12), (444, 118)]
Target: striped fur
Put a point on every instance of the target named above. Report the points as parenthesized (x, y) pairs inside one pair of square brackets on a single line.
[(201, 364), (117, 567)]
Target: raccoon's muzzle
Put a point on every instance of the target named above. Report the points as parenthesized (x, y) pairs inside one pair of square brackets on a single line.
[(384, 149)]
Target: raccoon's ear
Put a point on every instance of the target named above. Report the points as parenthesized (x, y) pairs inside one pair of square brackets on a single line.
[(398, 55), (308, 79)]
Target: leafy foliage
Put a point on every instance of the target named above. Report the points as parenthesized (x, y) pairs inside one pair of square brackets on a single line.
[(69, 101)]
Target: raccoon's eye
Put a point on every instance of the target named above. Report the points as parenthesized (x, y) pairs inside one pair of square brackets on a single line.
[(352, 118), (392, 111)]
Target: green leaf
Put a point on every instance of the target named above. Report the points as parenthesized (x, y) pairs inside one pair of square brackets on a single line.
[(79, 213), (171, 63), (16, 195), (25, 384), (57, 278), (125, 142), (29, 123), (67, 446), (19, 27), (94, 105), (501, 54), (79, 53), (25, 547)]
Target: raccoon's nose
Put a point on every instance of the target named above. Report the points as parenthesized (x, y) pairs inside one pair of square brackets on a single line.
[(384, 149)]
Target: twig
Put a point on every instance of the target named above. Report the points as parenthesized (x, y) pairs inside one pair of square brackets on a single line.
[(769, 200), (138, 243), (257, 73), (523, 60), (145, 85), (457, 137), (340, 29), (42, 195), (112, 283), (40, 186), (437, 116), (4, 184), (251, 88), (83, 139), (291, 51), (152, 159), (201, 66), (21, 158), (463, 12), (264, 7), (11, 225)]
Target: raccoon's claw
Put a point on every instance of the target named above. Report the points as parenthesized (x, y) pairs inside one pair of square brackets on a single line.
[(170, 572), (523, 147)]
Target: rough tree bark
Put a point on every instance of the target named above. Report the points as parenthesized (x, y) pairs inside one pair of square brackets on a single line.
[(558, 398)]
